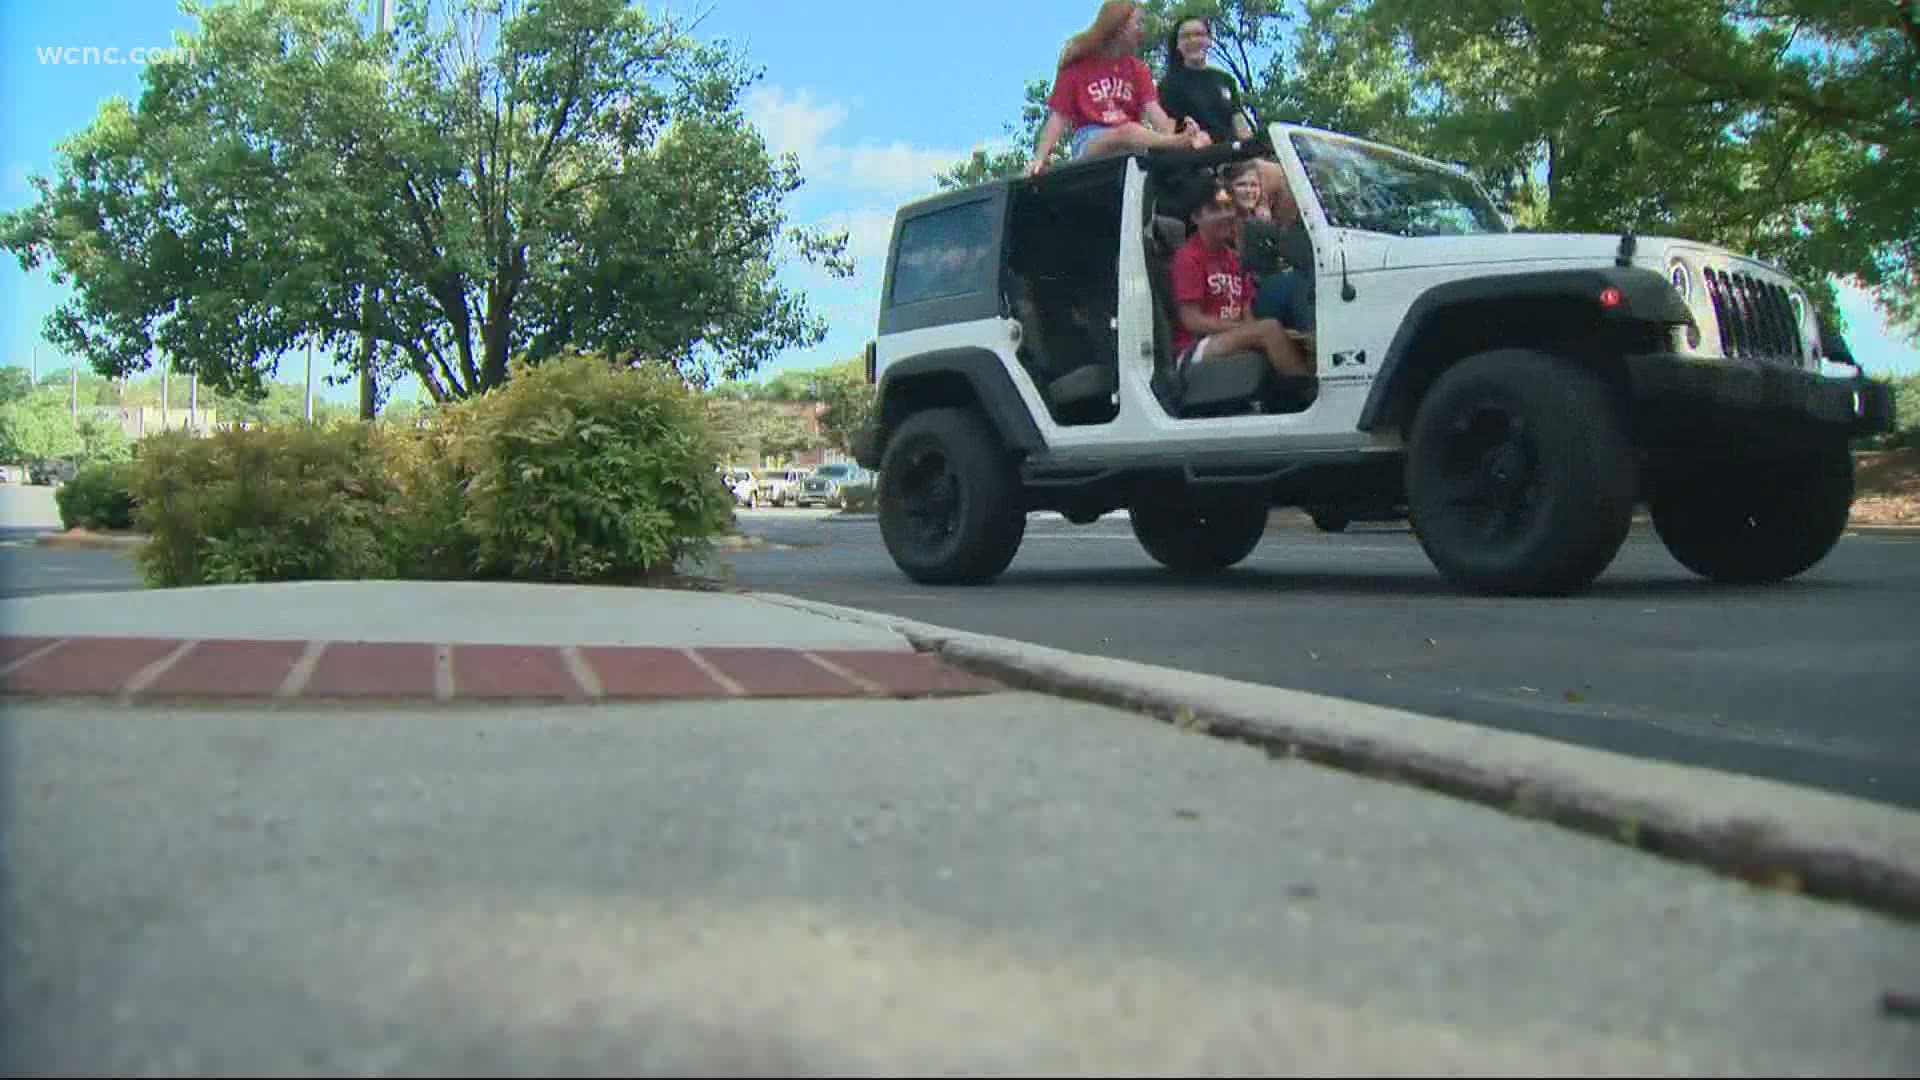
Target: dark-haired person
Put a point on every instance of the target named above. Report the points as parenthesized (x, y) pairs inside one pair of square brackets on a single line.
[(1104, 99), (1194, 92), (1214, 296)]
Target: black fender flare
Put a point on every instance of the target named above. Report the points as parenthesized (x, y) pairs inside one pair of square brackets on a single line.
[(926, 380), (1645, 297)]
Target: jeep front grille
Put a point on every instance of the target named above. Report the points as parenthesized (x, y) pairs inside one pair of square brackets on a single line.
[(1755, 317)]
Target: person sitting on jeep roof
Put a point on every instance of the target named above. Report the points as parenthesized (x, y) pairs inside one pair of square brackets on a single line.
[(1191, 90), (1213, 293), (1103, 90)]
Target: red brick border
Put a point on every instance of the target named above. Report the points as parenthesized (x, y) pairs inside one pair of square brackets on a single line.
[(163, 669)]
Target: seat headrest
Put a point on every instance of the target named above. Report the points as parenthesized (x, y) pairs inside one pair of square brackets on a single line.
[(1168, 233)]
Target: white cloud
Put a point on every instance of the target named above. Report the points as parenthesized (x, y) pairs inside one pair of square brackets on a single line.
[(795, 122), (868, 232), (898, 167)]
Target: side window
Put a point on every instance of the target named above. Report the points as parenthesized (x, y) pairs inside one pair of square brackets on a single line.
[(944, 254)]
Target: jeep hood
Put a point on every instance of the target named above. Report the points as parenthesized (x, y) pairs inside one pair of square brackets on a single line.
[(1579, 249), (1563, 249)]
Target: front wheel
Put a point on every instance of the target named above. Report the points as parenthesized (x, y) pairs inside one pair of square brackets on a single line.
[(1520, 478), (1754, 522), (1184, 536), (949, 500)]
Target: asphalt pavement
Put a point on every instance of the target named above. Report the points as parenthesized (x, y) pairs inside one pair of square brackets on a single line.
[(1811, 682)]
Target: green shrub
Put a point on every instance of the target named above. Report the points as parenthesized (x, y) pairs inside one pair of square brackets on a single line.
[(1906, 415), (574, 471), (580, 471), (277, 504), (98, 497)]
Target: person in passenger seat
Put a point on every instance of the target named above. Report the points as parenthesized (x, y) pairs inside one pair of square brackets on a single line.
[(1213, 295), (1102, 91), (1261, 243)]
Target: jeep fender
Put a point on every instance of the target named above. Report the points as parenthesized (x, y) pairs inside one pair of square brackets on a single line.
[(1644, 298), (948, 377)]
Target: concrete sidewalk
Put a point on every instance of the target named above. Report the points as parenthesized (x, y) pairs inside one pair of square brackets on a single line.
[(998, 885), (989, 882)]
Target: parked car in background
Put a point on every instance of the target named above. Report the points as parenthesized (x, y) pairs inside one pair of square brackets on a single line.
[(822, 486), (49, 472), (778, 487)]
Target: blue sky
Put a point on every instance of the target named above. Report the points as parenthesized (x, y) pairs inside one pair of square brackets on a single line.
[(873, 97)]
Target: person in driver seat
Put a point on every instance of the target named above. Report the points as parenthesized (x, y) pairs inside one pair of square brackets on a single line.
[(1214, 295)]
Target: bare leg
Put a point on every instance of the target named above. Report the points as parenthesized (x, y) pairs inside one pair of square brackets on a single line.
[(1133, 136), (1268, 336)]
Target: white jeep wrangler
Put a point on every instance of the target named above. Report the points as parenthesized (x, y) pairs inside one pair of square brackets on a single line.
[(1518, 394)]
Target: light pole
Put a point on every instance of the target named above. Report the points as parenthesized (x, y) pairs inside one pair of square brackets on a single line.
[(383, 20)]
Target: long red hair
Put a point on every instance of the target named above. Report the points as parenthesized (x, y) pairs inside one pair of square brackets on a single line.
[(1106, 26)]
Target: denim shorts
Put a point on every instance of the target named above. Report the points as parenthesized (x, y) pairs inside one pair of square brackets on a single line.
[(1081, 137)]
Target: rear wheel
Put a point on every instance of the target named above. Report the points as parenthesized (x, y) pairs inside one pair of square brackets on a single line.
[(1754, 522), (1187, 536), (949, 500), (1520, 479)]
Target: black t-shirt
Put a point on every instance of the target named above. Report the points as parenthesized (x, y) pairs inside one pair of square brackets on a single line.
[(1209, 95)]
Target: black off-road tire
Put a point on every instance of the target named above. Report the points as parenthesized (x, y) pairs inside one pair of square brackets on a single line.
[(1754, 522), (1199, 537), (1538, 439), (966, 534)]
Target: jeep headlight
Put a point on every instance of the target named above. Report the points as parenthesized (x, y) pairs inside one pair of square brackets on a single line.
[(1681, 279), (1680, 276)]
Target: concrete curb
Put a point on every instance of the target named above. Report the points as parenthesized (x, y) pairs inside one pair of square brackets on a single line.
[(1768, 833)]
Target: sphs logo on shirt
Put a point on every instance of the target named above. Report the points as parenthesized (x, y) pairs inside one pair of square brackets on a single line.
[(1231, 288)]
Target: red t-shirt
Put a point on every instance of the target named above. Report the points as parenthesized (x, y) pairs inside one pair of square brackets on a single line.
[(1100, 89), (1212, 279)]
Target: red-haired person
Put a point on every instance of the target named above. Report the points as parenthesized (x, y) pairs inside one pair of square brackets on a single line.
[(1104, 99)]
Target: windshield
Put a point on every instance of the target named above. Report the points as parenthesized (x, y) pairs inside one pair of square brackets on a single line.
[(1380, 190), (831, 471)]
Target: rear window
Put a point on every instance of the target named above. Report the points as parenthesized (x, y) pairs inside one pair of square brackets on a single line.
[(944, 254)]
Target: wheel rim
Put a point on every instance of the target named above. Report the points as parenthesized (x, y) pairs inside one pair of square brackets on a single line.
[(1489, 475), (930, 497)]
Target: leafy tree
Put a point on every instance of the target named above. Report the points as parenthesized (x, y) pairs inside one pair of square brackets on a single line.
[(848, 397), (497, 178), (36, 429), (1785, 128), (15, 384)]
